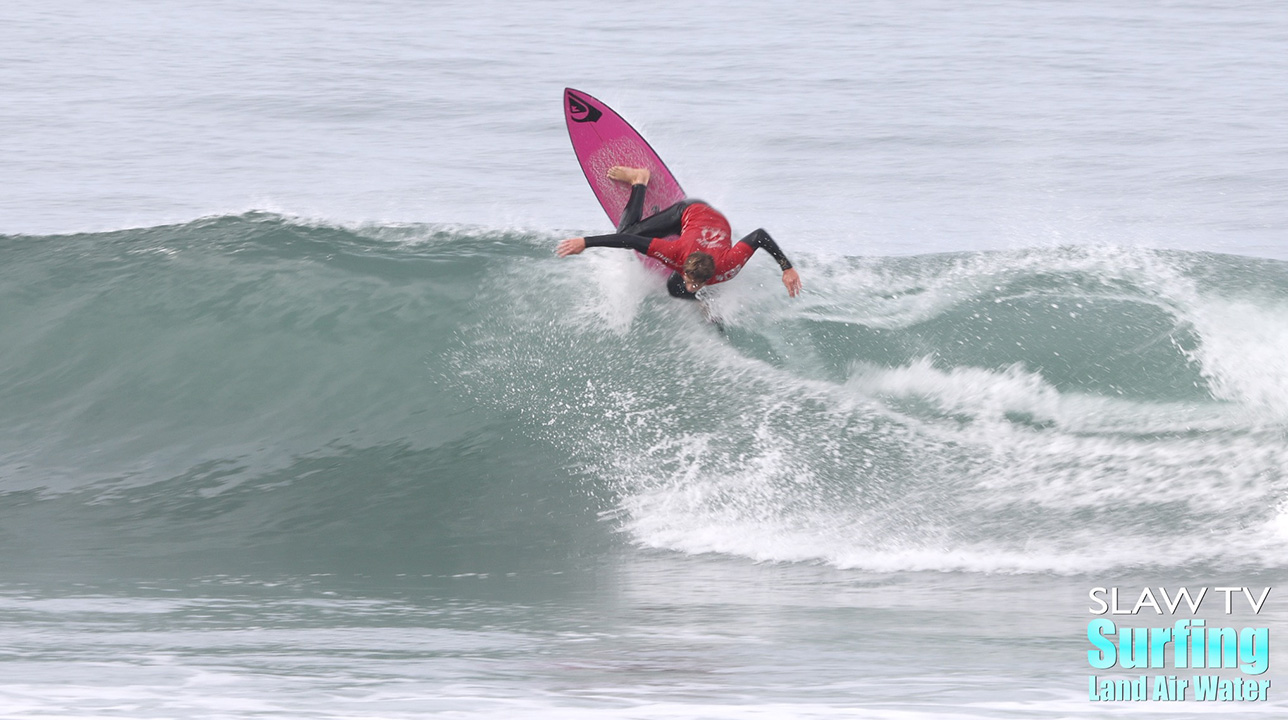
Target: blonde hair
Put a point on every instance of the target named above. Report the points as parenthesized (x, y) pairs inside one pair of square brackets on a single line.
[(699, 266)]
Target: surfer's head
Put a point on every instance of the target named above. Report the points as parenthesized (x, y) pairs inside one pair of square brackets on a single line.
[(698, 269)]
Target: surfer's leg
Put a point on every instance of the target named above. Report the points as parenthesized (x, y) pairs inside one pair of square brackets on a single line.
[(665, 222), (638, 178), (634, 207)]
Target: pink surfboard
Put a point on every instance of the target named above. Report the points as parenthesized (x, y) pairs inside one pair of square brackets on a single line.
[(602, 139)]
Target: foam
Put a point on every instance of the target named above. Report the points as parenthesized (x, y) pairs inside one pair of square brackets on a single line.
[(993, 447)]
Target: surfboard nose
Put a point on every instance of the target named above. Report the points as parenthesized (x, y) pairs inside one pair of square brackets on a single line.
[(581, 108)]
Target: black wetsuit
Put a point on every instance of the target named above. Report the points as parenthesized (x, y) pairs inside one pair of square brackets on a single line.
[(642, 234)]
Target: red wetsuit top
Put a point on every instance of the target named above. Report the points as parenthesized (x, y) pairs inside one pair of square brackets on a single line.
[(703, 229), (699, 227)]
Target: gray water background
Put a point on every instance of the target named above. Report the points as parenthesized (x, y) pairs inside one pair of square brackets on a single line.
[(864, 128), (871, 129)]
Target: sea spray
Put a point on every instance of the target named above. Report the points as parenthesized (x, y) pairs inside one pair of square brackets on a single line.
[(313, 392)]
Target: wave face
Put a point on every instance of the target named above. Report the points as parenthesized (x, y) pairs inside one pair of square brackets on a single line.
[(254, 391)]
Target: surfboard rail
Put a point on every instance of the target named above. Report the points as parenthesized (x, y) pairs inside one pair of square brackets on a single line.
[(601, 139)]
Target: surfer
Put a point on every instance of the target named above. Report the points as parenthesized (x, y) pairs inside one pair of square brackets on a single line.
[(702, 254)]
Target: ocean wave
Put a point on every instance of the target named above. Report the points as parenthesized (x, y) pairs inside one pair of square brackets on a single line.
[(256, 386)]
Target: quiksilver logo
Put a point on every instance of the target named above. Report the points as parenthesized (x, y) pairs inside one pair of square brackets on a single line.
[(582, 111)]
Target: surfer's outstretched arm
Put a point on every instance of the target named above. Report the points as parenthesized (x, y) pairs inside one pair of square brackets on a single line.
[(573, 246), (633, 233), (762, 239)]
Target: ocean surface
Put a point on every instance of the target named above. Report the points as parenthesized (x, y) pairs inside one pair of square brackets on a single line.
[(300, 416)]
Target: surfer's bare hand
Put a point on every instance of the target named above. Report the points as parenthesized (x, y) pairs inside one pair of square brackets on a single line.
[(792, 280), (571, 246)]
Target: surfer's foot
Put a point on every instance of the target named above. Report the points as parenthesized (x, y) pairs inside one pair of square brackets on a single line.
[(634, 176)]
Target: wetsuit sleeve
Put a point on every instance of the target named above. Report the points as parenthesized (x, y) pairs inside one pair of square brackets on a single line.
[(761, 239), (638, 243)]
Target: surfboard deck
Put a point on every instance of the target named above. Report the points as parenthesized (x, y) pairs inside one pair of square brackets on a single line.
[(601, 139)]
